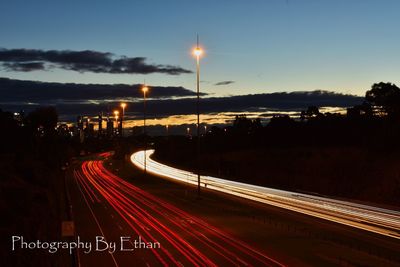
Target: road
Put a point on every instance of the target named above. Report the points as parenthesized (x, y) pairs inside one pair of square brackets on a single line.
[(374, 219), (108, 206)]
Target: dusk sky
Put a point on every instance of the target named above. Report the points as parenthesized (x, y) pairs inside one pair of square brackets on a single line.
[(250, 46)]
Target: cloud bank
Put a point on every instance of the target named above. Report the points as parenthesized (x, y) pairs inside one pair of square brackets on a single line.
[(25, 60)]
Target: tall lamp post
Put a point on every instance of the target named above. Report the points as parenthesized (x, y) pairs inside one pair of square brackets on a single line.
[(197, 53), (123, 106), (144, 90)]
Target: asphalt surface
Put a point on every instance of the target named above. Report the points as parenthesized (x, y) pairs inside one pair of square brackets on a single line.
[(294, 238), (106, 206), (288, 237)]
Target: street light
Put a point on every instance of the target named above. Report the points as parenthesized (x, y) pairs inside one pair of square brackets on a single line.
[(144, 90), (123, 106), (197, 53)]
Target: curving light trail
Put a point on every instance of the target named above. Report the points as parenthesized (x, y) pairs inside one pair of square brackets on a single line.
[(185, 239), (373, 219)]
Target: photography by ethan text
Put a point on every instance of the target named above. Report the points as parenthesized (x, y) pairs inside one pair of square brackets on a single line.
[(100, 244)]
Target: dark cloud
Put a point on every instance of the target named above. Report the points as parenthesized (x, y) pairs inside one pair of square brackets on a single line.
[(71, 99), (272, 101), (24, 67), (224, 83), (45, 92), (81, 61)]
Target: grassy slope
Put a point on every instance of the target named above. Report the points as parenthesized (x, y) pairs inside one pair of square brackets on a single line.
[(30, 206), (347, 172)]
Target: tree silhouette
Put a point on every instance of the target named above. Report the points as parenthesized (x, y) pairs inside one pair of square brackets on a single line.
[(43, 118), (385, 98), (244, 125), (281, 121), (310, 113), (363, 110)]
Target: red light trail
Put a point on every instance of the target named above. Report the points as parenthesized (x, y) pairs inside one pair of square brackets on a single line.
[(184, 238)]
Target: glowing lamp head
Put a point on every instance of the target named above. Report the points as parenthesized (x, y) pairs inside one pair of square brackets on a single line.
[(145, 89), (197, 52), (123, 105), (116, 113)]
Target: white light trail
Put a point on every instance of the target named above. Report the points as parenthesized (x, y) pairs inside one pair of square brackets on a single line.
[(373, 219)]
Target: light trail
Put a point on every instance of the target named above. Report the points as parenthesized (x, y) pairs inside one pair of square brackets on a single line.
[(373, 219), (183, 237)]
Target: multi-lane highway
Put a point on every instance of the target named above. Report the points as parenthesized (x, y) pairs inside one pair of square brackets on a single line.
[(108, 206), (374, 219)]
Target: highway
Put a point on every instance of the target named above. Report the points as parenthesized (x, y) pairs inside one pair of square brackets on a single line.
[(107, 205), (374, 219)]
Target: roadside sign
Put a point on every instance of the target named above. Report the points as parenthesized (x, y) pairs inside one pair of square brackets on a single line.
[(67, 228)]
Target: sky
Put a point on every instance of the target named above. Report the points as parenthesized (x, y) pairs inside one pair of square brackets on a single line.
[(257, 46)]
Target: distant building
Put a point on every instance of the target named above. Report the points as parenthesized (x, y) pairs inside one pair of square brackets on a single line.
[(100, 121), (120, 126), (79, 129), (63, 130), (19, 117), (110, 128), (90, 129), (79, 123)]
